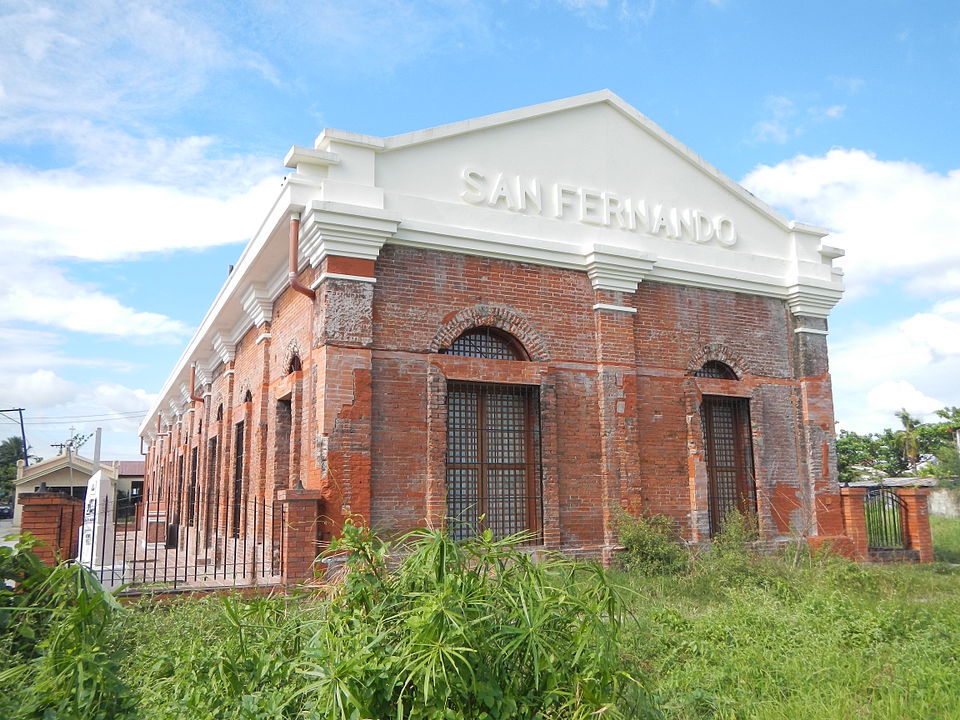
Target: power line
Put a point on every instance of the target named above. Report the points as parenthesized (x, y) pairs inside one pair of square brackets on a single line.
[(89, 417)]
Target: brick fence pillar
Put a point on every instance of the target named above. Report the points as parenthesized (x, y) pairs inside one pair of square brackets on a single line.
[(855, 519), (917, 521), (302, 522), (55, 520)]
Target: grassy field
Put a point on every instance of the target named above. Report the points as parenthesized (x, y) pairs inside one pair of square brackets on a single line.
[(723, 635)]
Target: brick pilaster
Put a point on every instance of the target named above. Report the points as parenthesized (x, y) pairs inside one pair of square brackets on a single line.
[(617, 406)]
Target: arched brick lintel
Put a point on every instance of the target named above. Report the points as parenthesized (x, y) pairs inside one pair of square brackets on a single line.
[(498, 316), (721, 353)]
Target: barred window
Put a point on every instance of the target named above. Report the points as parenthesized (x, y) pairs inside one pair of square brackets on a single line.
[(493, 459), (487, 342), (726, 434), (716, 369)]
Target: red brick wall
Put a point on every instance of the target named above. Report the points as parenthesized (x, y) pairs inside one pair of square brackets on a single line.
[(55, 520), (620, 409)]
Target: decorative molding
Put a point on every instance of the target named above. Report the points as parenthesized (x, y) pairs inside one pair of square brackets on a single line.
[(257, 304), (615, 308), (340, 276), (617, 268), (330, 228), (227, 351), (298, 156), (263, 336), (811, 331), (812, 300)]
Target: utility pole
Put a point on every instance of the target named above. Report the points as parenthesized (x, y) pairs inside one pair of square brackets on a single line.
[(23, 434)]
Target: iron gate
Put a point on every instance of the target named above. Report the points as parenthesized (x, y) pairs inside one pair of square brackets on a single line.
[(884, 513)]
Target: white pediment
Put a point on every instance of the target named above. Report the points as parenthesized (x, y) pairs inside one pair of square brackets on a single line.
[(552, 182)]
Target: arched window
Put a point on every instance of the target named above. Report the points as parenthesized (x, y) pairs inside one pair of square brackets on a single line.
[(220, 412), (716, 369), (493, 476), (295, 365), (248, 397), (487, 342)]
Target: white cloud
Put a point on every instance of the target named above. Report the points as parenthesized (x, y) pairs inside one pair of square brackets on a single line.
[(104, 59), (885, 399), (896, 220), (42, 295), (834, 112), (847, 83), (37, 389), (777, 126), (912, 363), (61, 213)]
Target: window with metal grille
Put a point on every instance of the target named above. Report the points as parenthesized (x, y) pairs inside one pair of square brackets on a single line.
[(237, 481), (487, 342), (192, 488), (726, 434), (493, 478), (716, 369)]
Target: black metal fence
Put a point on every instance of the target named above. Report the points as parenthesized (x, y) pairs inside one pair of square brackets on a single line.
[(884, 513), (156, 543)]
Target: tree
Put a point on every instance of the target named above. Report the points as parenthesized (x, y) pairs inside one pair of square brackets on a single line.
[(11, 450), (908, 437)]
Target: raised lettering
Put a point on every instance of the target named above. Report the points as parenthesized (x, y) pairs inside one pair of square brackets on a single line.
[(726, 232), (702, 227), (659, 220), (565, 196), (591, 208), (529, 194), (474, 180), (503, 191), (613, 207)]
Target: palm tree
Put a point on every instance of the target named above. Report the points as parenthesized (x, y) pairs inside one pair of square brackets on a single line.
[(907, 438)]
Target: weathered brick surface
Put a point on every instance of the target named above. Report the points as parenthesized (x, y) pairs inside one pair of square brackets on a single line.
[(55, 520), (363, 423)]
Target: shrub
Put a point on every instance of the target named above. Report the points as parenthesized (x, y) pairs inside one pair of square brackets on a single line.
[(651, 545)]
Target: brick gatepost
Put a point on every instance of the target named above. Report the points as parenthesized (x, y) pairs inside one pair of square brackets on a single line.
[(55, 520), (302, 522), (917, 521), (855, 520)]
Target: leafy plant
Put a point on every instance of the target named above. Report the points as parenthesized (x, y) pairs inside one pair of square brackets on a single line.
[(70, 672), (651, 545)]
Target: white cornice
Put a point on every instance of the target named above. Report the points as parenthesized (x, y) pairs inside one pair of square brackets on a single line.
[(298, 156), (617, 268), (257, 304), (225, 349), (330, 228)]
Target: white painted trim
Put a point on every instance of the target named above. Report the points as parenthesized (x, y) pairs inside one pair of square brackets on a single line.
[(811, 331), (228, 373), (340, 276), (616, 308), (263, 336)]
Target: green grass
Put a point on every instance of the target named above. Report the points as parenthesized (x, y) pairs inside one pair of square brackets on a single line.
[(820, 640), (946, 538), (480, 632)]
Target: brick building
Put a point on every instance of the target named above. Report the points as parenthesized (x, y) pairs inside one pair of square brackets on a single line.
[(521, 321)]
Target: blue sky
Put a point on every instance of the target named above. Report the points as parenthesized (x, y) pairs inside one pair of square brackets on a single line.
[(140, 143)]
